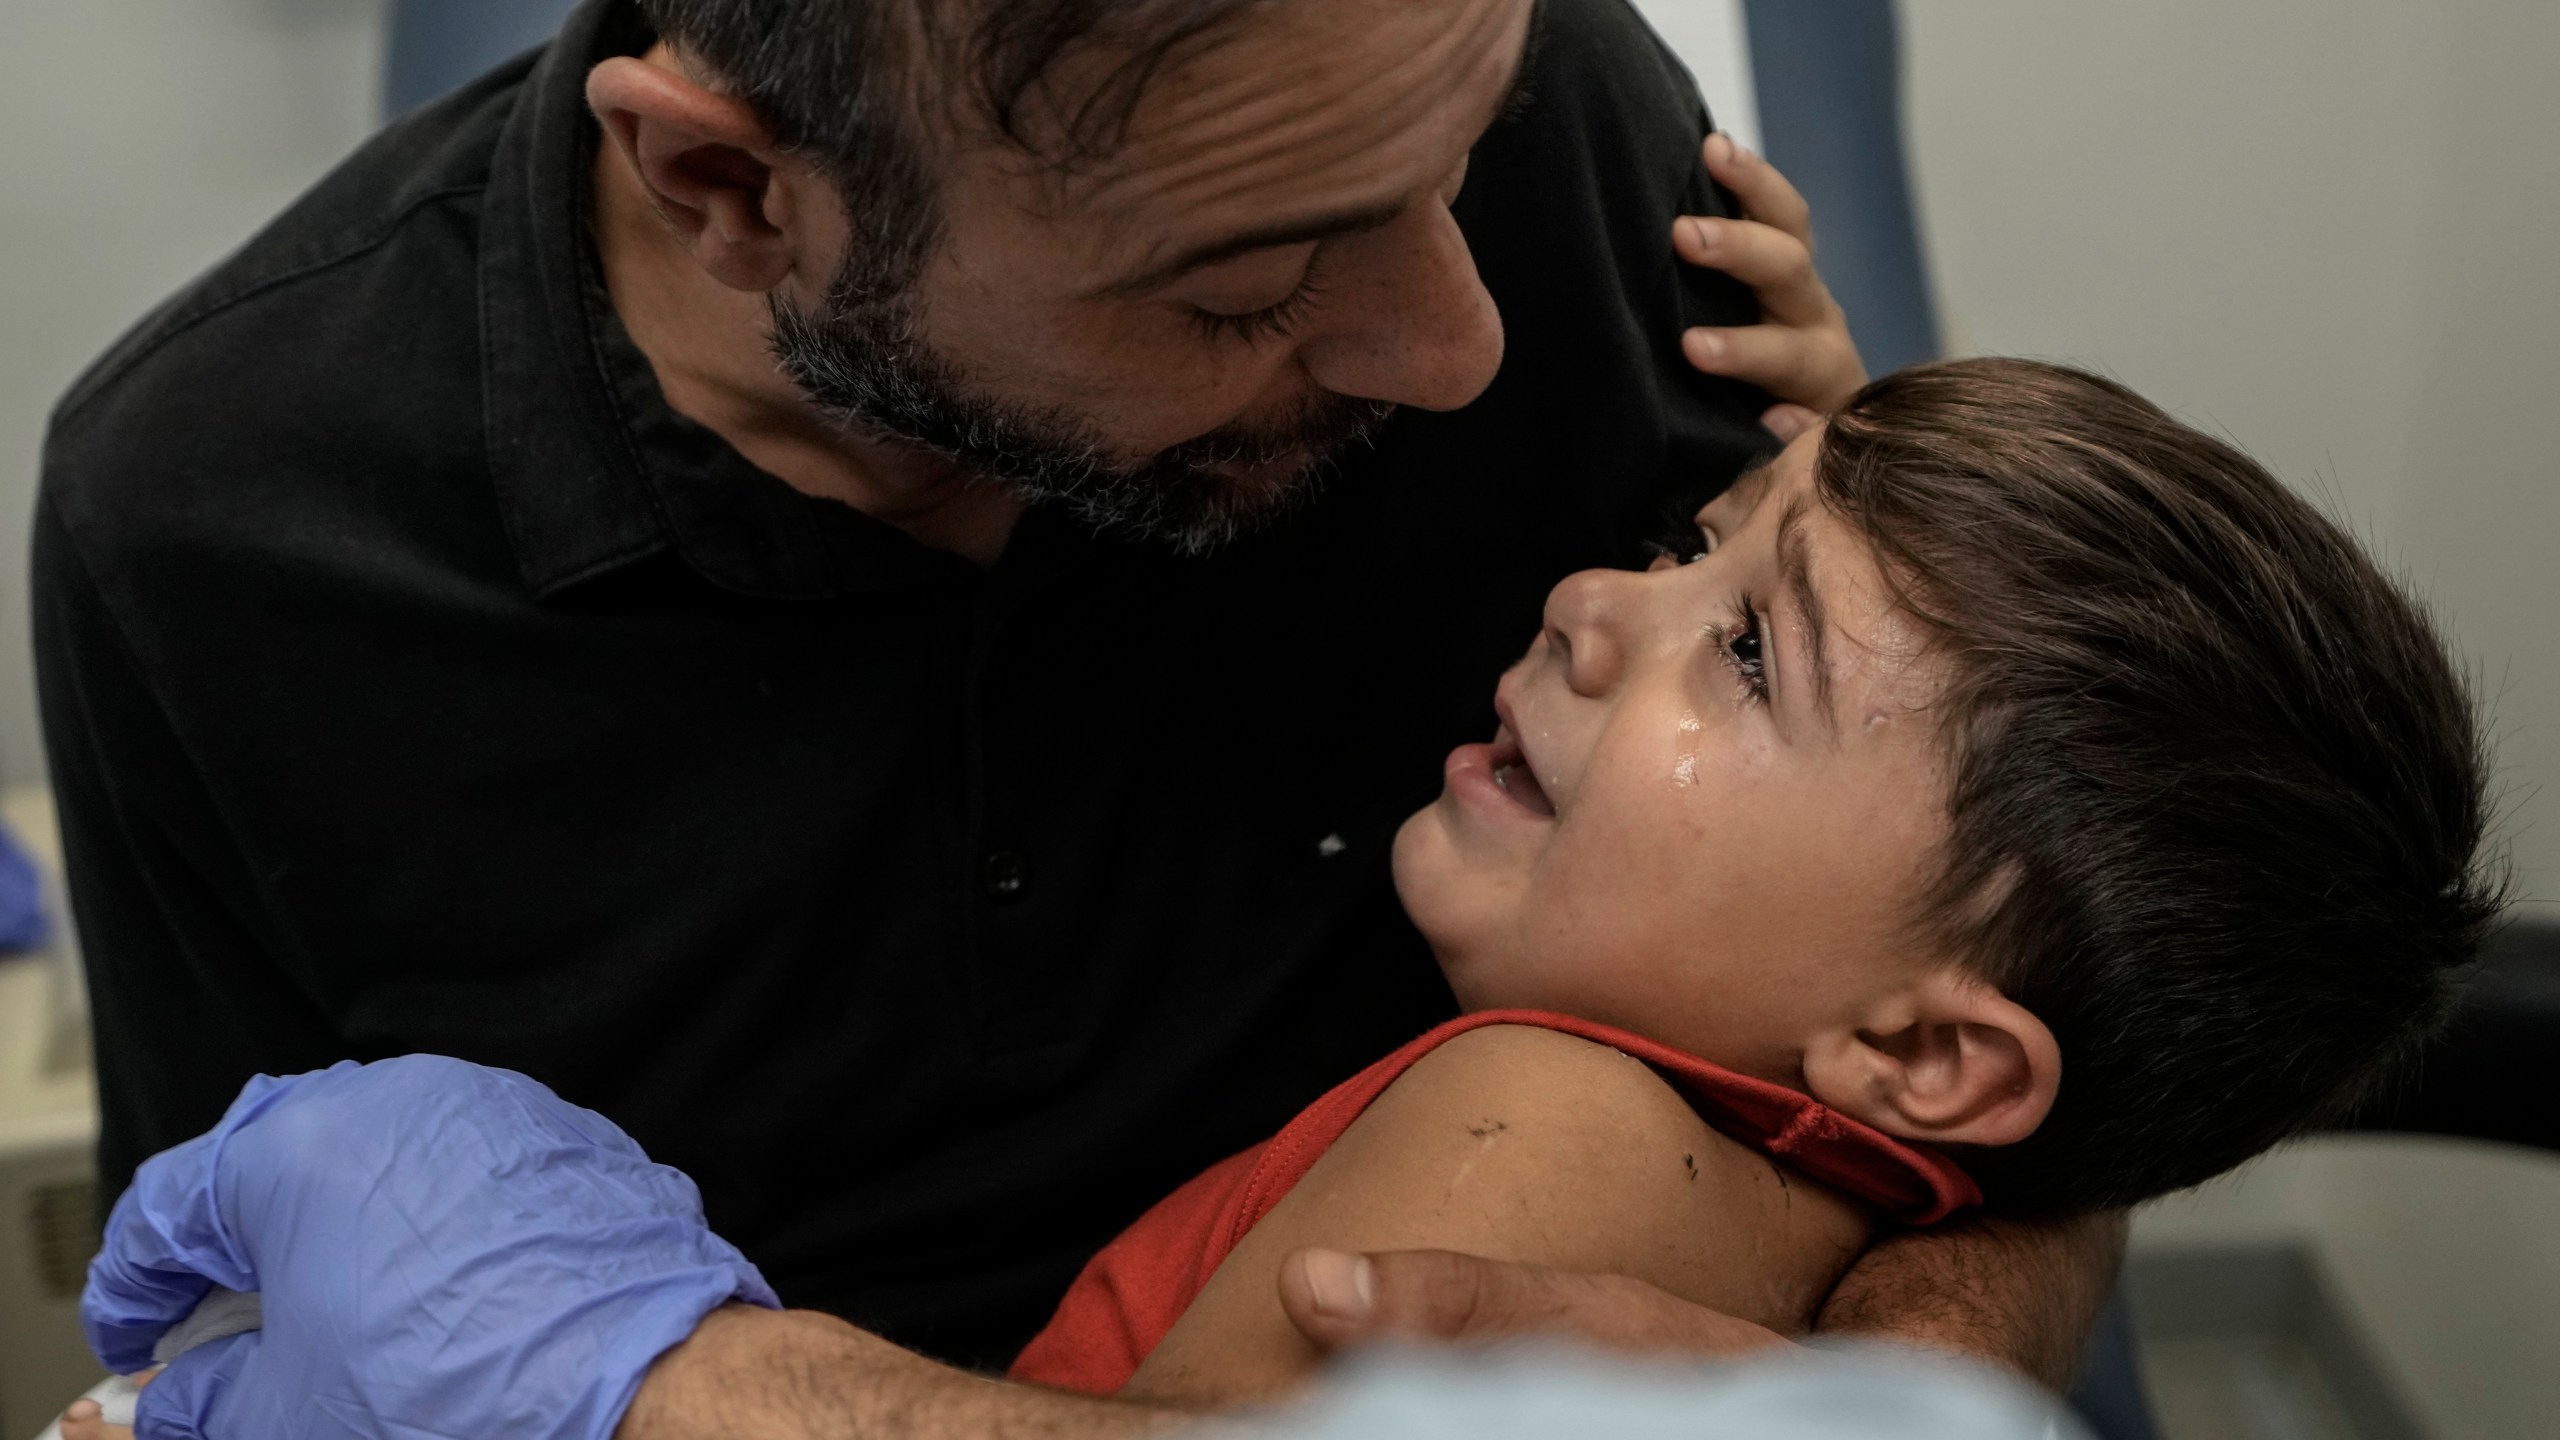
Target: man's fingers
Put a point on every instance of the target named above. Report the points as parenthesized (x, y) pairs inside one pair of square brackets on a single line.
[(1766, 195), (1769, 260), (1339, 1300)]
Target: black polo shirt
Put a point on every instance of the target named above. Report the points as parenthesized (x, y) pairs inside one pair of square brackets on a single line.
[(417, 680)]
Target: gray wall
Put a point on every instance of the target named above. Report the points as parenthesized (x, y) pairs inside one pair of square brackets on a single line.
[(147, 138), (2325, 228), (2321, 226)]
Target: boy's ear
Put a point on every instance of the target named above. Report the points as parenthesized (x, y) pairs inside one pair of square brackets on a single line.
[(1948, 1060), (707, 163)]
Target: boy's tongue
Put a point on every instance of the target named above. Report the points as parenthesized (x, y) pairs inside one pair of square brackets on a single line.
[(1523, 786)]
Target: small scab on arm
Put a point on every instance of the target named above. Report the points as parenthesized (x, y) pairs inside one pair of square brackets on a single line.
[(1784, 1189)]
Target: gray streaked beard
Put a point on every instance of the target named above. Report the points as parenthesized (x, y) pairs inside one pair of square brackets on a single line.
[(865, 366)]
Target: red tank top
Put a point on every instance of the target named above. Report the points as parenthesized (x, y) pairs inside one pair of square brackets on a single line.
[(1129, 1295)]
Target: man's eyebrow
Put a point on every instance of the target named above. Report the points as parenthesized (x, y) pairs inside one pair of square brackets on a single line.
[(1795, 571), (1336, 224), (1329, 225)]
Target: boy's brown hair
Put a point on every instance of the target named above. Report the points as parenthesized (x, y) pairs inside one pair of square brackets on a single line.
[(2218, 792)]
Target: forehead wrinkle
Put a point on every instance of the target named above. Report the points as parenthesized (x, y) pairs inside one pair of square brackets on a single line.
[(1212, 145), (1426, 81), (1258, 156)]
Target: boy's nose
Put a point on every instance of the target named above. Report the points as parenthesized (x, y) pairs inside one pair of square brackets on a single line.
[(1588, 616)]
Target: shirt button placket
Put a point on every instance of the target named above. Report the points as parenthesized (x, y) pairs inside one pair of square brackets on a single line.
[(1004, 875)]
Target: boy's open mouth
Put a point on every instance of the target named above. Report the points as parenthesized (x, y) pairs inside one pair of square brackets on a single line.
[(1511, 771)]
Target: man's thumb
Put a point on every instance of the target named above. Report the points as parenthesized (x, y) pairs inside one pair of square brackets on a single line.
[(1339, 1300)]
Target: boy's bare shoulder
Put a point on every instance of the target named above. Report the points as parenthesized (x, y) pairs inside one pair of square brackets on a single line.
[(1526, 1145), (1539, 1077), (1538, 1110)]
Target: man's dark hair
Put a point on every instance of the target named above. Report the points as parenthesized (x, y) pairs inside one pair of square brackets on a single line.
[(847, 81), (2218, 792)]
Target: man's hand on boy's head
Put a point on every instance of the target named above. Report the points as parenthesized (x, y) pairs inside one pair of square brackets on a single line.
[(1340, 1301)]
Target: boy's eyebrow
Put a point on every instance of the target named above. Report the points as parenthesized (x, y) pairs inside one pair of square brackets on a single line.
[(1754, 476), (1795, 572)]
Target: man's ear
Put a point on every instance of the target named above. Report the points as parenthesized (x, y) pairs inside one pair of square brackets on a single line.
[(1948, 1060), (708, 164)]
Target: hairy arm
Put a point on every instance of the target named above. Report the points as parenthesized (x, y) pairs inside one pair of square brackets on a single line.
[(2020, 1293), (1529, 1147), (750, 1374)]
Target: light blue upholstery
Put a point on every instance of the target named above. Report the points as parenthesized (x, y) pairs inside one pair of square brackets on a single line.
[(1829, 77), (438, 45)]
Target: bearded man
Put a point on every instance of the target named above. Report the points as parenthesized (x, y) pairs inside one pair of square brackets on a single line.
[(860, 586)]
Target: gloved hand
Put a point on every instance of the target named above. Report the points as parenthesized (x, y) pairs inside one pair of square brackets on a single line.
[(442, 1250)]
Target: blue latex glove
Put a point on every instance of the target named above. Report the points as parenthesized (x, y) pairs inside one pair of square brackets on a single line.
[(443, 1250)]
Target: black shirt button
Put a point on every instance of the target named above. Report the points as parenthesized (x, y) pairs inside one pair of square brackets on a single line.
[(1004, 875)]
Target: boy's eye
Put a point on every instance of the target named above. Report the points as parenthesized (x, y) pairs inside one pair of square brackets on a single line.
[(1687, 544), (1745, 649)]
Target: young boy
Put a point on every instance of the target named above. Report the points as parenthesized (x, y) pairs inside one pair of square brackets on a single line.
[(2011, 796), (2012, 788)]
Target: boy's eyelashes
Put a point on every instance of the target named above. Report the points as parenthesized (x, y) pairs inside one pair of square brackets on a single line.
[(1742, 638), (1743, 641)]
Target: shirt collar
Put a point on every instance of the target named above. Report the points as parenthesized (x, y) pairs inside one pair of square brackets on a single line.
[(593, 470)]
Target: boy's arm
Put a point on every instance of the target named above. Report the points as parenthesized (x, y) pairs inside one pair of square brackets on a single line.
[(2021, 1294), (1534, 1148)]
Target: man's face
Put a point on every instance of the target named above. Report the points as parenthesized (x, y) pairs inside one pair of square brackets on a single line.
[(1175, 338)]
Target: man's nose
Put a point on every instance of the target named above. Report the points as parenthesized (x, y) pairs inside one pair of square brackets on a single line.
[(1589, 623), (1415, 325)]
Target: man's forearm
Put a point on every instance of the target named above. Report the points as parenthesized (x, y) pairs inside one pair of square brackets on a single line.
[(751, 1374), (2020, 1293)]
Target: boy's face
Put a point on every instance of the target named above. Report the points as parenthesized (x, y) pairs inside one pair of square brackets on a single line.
[(1713, 799)]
